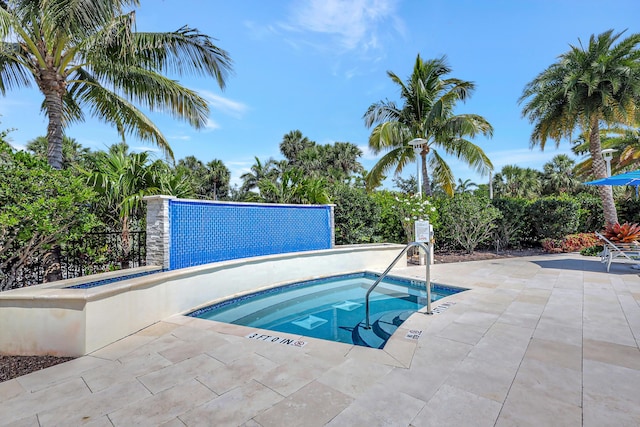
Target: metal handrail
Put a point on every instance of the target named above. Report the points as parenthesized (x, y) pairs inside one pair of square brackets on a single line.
[(383, 275)]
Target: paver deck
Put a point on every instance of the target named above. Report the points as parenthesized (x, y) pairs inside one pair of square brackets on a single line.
[(537, 341)]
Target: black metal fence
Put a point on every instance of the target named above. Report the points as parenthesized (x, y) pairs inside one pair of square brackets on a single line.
[(94, 253)]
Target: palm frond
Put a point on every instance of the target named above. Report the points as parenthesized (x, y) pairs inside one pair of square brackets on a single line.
[(441, 173), (114, 109), (396, 158), (185, 51), (13, 73), (159, 93)]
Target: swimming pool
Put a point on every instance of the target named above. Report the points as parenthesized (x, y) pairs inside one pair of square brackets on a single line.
[(331, 308)]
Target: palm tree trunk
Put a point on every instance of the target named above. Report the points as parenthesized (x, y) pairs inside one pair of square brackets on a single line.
[(600, 171), (426, 183), (52, 86)]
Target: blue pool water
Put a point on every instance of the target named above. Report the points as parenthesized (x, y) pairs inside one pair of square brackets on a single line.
[(331, 308)]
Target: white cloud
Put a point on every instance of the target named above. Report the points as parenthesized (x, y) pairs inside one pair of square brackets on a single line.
[(367, 154), (237, 169), (179, 137), (233, 108), (145, 148), (355, 24), (260, 31), (211, 125)]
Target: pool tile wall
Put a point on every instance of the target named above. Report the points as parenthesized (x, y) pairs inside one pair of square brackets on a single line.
[(202, 232)]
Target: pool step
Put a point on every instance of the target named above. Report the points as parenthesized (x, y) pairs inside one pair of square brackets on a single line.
[(387, 324), (383, 325)]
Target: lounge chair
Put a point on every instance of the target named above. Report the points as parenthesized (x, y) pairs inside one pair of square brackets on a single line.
[(612, 251)]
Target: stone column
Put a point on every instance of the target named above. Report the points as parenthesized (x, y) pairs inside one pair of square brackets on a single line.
[(158, 230)]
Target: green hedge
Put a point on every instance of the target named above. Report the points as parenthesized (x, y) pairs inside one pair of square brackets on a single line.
[(553, 217)]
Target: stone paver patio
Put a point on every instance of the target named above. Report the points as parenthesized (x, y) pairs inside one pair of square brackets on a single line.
[(537, 341)]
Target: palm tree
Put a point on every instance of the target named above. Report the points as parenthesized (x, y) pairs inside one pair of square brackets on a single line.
[(293, 143), (426, 113), (258, 172), (514, 181), (466, 186), (72, 151), (586, 88), (293, 186), (344, 159), (558, 176), (172, 181), (217, 179), (85, 56), (121, 180), (626, 142)]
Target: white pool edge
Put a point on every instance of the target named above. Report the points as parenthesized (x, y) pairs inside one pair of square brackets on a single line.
[(49, 319)]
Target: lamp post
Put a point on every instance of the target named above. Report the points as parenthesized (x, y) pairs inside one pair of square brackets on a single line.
[(417, 144), (607, 155)]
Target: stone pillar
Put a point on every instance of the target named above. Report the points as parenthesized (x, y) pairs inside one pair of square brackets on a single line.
[(158, 230)]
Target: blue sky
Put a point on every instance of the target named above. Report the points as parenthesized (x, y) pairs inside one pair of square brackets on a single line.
[(316, 65)]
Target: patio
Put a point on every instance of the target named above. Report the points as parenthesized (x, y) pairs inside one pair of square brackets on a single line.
[(545, 340)]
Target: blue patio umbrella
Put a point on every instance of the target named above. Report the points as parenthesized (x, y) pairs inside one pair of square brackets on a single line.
[(628, 178)]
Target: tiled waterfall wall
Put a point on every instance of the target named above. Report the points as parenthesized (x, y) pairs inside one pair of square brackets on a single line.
[(184, 233)]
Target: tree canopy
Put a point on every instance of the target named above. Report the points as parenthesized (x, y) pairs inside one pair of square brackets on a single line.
[(87, 57)]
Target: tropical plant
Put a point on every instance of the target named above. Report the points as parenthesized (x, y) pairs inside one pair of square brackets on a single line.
[(406, 186), (42, 208), (467, 220), (629, 144), (84, 56), (355, 215), (293, 143), (623, 233), (257, 173), (121, 180), (466, 186), (72, 151), (558, 177), (570, 243), (389, 226), (292, 186), (629, 210), (623, 139), (216, 180), (514, 181), (412, 208), (512, 226), (333, 162), (588, 86), (427, 114), (170, 181)]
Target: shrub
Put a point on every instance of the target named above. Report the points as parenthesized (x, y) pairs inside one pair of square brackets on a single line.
[(553, 217), (467, 221), (628, 210), (412, 209), (590, 214), (592, 250), (355, 215), (40, 209), (512, 227), (570, 243), (389, 226)]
